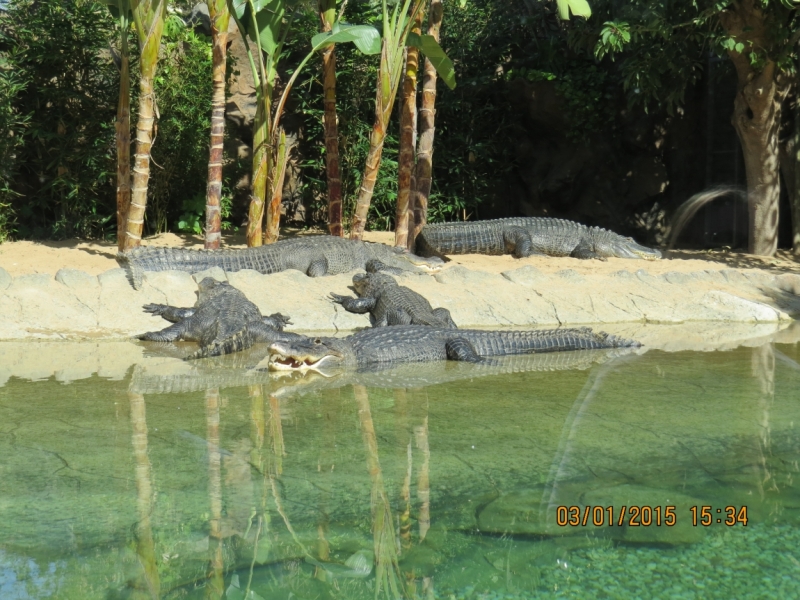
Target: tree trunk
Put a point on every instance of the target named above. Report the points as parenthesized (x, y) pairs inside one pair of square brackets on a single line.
[(327, 13), (123, 131), (756, 118), (259, 184), (790, 169), (275, 188), (150, 24), (219, 15), (384, 101), (408, 122), (424, 167)]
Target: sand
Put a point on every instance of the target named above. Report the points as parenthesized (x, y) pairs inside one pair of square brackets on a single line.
[(94, 257)]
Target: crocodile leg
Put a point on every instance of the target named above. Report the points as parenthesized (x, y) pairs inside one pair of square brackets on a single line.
[(444, 316), (358, 306), (276, 321), (318, 268), (172, 333), (461, 349), (518, 242), (173, 314), (584, 250)]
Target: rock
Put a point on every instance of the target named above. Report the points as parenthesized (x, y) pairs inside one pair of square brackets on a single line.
[(32, 280), (644, 276), (199, 18), (5, 279), (733, 276), (677, 278), (178, 287), (786, 283), (528, 276), (570, 275), (624, 275), (77, 280), (214, 272), (733, 308), (459, 275)]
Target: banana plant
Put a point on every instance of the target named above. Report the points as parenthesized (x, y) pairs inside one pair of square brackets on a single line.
[(396, 35), (264, 25)]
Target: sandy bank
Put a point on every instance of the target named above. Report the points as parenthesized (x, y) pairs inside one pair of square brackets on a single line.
[(61, 290)]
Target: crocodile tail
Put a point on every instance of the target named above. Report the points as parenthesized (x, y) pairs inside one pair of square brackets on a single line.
[(132, 270), (241, 340), (615, 341)]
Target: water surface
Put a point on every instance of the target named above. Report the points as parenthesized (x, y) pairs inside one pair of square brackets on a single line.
[(138, 475)]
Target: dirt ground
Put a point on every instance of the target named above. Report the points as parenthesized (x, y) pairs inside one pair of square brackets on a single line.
[(94, 257)]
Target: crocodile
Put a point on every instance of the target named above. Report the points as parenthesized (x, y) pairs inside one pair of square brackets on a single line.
[(315, 256), (419, 343), (526, 236), (222, 321), (391, 304)]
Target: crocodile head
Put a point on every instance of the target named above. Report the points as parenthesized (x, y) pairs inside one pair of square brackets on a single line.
[(367, 284), (627, 247), (304, 354), (400, 258)]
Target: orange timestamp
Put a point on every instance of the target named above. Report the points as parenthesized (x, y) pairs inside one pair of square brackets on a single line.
[(646, 516)]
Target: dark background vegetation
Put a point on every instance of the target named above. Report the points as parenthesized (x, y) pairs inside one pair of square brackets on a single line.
[(536, 126)]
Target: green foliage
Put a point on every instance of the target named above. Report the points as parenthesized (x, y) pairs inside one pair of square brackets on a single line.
[(64, 161), (180, 152), (193, 217), (12, 125)]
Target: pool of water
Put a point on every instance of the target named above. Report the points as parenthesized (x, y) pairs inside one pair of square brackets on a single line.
[(128, 473)]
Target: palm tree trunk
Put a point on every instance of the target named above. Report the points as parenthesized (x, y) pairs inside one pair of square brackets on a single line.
[(123, 135), (327, 13), (424, 167), (149, 17), (408, 122), (219, 15)]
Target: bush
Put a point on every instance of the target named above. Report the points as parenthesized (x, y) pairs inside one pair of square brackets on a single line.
[(11, 128), (64, 173)]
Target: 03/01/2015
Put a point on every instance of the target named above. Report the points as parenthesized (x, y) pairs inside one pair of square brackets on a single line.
[(646, 516)]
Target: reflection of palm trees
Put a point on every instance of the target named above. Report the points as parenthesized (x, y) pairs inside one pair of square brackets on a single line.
[(384, 539), (148, 585), (763, 369), (215, 585)]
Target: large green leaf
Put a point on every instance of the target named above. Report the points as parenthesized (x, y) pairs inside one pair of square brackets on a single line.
[(365, 37), (238, 9), (579, 8), (269, 19), (434, 53)]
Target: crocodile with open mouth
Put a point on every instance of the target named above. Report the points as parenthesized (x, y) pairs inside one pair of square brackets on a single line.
[(314, 255), (391, 304), (527, 236), (419, 343), (222, 321)]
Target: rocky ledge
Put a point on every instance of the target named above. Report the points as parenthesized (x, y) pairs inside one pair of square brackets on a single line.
[(76, 305)]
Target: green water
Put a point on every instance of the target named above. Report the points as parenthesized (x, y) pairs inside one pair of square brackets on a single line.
[(150, 478)]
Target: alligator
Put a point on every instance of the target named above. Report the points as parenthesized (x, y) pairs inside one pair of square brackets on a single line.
[(526, 236), (418, 343), (222, 321), (391, 304), (315, 256)]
